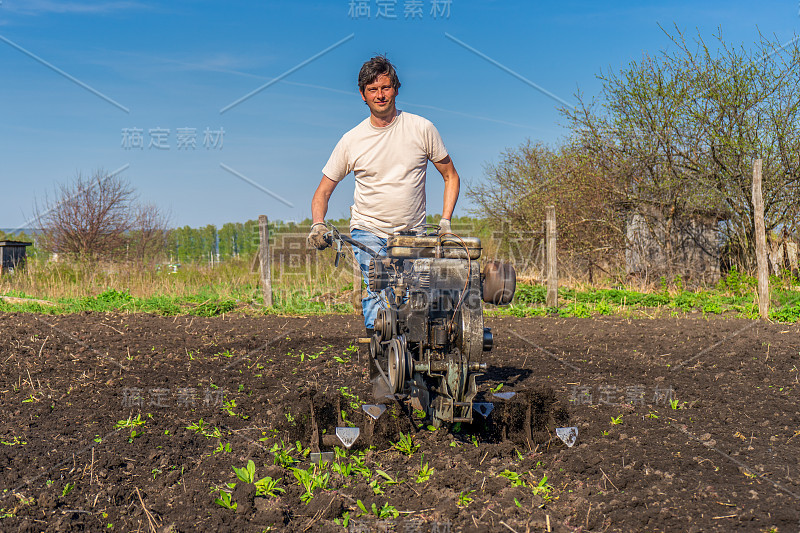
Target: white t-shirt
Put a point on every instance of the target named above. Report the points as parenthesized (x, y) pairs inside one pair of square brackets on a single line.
[(389, 166)]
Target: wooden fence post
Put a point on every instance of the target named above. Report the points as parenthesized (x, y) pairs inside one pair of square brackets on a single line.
[(761, 244), (552, 265), (263, 255)]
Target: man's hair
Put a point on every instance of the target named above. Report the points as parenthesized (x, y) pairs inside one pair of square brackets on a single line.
[(375, 67)]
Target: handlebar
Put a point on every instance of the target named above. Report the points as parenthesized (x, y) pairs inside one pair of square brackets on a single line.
[(334, 235)]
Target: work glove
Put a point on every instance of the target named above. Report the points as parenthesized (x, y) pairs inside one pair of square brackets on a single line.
[(444, 226), (316, 239)]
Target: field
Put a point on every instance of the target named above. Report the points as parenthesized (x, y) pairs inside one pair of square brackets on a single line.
[(134, 422)]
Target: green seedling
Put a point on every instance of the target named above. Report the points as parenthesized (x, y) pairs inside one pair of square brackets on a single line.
[(303, 451), (246, 474), (674, 405), (377, 487), (198, 427), (226, 448), (464, 498), (617, 420), (387, 477), (14, 441), (343, 469), (353, 399), (424, 472), (225, 500), (229, 407), (474, 440), (67, 489), (346, 354), (406, 444), (651, 414), (359, 467), (268, 487), (516, 502), (134, 434), (281, 456), (542, 488), (310, 480), (387, 511), (344, 521), (25, 501), (513, 477), (155, 472), (129, 422), (346, 422), (497, 388)]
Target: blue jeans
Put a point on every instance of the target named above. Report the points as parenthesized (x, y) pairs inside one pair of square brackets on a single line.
[(373, 301)]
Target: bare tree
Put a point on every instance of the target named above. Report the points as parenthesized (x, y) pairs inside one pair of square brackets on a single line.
[(97, 217), (514, 192)]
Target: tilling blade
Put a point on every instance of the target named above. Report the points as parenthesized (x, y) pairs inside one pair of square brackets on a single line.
[(504, 395), (323, 457), (347, 435), (374, 410), (567, 435), (483, 408)]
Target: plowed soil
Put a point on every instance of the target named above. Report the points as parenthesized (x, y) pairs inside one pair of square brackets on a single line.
[(722, 455)]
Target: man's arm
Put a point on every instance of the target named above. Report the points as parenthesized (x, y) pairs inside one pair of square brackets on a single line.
[(452, 185), (319, 203)]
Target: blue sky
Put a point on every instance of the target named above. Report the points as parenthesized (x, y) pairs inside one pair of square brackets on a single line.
[(176, 65)]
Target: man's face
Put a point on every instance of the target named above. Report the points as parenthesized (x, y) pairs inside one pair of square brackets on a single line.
[(379, 96)]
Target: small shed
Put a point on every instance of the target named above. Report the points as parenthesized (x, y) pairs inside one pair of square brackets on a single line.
[(12, 255), (684, 244)]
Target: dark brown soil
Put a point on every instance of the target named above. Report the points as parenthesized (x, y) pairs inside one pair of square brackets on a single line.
[(727, 459)]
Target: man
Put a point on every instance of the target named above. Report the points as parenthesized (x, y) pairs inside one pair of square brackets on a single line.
[(388, 154)]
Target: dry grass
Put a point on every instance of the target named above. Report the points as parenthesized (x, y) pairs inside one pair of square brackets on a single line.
[(230, 279)]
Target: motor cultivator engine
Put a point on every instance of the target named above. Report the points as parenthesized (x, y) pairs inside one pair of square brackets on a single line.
[(428, 342)]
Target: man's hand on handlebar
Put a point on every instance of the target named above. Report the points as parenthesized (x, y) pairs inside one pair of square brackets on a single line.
[(316, 239), (444, 226)]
